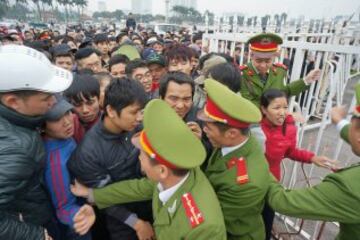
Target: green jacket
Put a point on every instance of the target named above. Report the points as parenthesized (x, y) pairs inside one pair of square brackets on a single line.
[(170, 220), (242, 204), (252, 88), (336, 198)]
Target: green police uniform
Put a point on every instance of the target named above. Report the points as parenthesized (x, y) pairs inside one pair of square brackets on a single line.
[(241, 177), (170, 220), (265, 45), (252, 87), (193, 210), (336, 198)]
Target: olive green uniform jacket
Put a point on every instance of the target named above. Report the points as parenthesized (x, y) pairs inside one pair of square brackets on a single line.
[(170, 220), (252, 87), (241, 204), (336, 198)]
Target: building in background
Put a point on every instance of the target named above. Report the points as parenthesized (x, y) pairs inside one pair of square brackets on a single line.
[(185, 3), (141, 6)]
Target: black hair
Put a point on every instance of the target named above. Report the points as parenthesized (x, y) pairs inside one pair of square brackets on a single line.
[(83, 86), (177, 77), (179, 52), (269, 95), (120, 36), (132, 65), (118, 58), (196, 37), (204, 58), (227, 74), (85, 52), (100, 37), (122, 92)]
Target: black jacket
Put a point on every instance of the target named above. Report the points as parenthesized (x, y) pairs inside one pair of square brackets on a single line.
[(24, 203), (103, 158)]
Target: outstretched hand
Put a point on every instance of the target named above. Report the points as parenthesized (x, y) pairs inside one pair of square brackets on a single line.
[(84, 219)]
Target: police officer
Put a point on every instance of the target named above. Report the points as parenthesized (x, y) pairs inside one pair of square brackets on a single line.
[(336, 198), (237, 168), (262, 74), (185, 205)]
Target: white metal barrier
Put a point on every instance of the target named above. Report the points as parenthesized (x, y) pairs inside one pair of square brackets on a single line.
[(337, 56)]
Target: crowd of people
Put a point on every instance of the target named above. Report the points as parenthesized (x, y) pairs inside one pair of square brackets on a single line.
[(147, 136)]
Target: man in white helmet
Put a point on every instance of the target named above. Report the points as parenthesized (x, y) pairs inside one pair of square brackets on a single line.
[(27, 83)]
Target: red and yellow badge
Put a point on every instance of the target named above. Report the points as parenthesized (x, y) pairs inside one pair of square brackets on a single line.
[(192, 211), (242, 176), (250, 73), (243, 67)]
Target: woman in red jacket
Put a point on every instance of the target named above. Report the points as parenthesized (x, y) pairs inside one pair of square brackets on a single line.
[(280, 132)]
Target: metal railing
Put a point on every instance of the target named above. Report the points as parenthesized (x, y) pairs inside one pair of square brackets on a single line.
[(337, 56)]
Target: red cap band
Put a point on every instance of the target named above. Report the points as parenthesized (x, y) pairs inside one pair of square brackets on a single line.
[(145, 144), (264, 47), (215, 113)]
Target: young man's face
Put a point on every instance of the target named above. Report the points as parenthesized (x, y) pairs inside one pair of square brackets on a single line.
[(262, 64), (354, 135), (143, 75), (65, 62), (87, 110), (199, 43), (92, 62), (103, 47), (118, 70), (112, 45), (34, 105), (158, 48), (180, 65), (157, 71), (62, 128), (179, 97), (128, 119)]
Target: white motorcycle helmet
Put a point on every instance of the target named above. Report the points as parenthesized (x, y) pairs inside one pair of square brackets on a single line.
[(24, 68)]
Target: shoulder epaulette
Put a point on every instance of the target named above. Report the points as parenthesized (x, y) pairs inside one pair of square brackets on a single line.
[(192, 211), (281, 65)]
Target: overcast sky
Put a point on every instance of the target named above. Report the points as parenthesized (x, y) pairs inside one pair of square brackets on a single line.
[(294, 8)]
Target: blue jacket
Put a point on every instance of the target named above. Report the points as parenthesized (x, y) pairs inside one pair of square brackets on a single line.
[(57, 178)]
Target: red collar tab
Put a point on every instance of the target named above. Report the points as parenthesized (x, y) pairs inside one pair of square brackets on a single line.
[(192, 211), (242, 176), (146, 146), (215, 113)]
